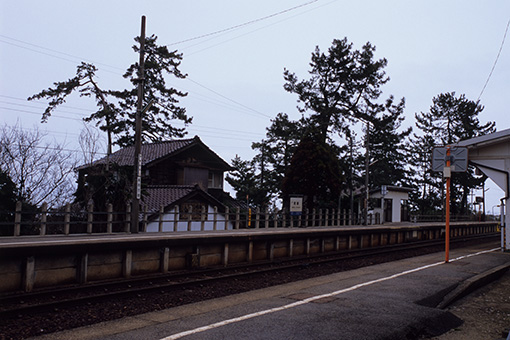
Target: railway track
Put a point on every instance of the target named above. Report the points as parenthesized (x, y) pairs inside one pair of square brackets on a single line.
[(55, 300)]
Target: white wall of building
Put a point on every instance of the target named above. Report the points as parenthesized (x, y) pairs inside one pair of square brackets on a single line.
[(397, 197), (168, 224)]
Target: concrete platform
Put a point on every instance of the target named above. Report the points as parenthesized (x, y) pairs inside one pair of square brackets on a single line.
[(389, 301), (28, 263)]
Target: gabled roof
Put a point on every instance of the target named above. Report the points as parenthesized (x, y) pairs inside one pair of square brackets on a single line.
[(153, 152), (170, 195)]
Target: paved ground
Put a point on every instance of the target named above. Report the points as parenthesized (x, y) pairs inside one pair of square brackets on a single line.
[(389, 301), (485, 312)]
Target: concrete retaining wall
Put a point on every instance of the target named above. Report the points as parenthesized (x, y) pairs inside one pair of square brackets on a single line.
[(78, 260)]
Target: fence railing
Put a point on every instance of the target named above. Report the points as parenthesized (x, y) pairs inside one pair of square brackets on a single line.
[(67, 221)]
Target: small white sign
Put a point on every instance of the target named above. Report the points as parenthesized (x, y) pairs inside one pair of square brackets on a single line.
[(296, 205)]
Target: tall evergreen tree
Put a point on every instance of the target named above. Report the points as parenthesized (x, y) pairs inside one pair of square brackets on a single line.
[(342, 83), (245, 182), (315, 173), (275, 152), (451, 119), (116, 109), (156, 123), (388, 145)]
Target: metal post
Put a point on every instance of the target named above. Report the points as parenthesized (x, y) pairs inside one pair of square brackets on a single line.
[(367, 165), (447, 235)]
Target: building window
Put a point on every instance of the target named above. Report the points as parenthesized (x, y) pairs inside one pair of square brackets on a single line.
[(215, 180)]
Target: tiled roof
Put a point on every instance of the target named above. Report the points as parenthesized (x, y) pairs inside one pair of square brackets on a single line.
[(164, 195), (150, 152)]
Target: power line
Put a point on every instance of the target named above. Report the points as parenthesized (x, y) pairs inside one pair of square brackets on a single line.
[(255, 112), (34, 107), (54, 51), (244, 24), (40, 103), (39, 113), (255, 30), (495, 62)]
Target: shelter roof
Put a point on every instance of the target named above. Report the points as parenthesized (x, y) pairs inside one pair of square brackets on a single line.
[(486, 140)]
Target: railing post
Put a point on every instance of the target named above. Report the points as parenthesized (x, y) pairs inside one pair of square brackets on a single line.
[(17, 219), (257, 218), (326, 218), (44, 216), (313, 217), (67, 219), (190, 215), (284, 218), (227, 216), (144, 219), (215, 218), (145, 222), (90, 217), (202, 218), (176, 217), (161, 213), (306, 217), (266, 218), (237, 217), (109, 218), (275, 219), (127, 226)]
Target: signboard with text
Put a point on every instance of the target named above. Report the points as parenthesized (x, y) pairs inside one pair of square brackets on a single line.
[(296, 205)]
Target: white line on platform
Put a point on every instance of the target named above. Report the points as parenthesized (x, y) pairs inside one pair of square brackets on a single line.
[(313, 298)]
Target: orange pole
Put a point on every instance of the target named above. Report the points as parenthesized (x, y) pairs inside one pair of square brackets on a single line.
[(447, 234)]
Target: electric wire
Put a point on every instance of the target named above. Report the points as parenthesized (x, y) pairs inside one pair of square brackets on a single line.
[(495, 62), (55, 51), (74, 61), (39, 103), (244, 24), (255, 112)]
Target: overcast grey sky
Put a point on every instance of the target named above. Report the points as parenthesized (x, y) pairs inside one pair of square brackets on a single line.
[(235, 80)]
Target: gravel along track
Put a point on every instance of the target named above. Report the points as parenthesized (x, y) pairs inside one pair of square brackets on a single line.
[(27, 324)]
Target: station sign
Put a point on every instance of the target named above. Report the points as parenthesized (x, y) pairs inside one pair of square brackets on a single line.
[(296, 206)]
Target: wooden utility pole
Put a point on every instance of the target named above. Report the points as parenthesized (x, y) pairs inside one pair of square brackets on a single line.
[(137, 165)]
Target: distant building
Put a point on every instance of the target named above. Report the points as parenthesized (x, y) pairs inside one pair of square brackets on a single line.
[(389, 205), (180, 173)]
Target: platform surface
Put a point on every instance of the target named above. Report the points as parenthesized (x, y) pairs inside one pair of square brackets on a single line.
[(386, 301), (11, 242)]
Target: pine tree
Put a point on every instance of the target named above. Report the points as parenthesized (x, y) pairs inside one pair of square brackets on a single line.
[(342, 84), (275, 152), (156, 126), (314, 172), (116, 109), (245, 182), (388, 145), (451, 119)]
